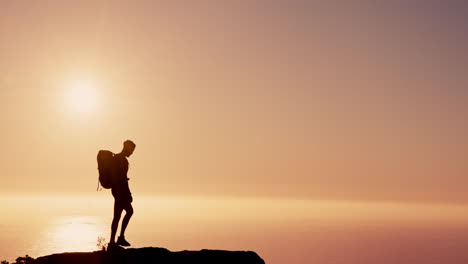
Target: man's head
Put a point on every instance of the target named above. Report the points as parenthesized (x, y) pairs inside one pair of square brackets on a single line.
[(128, 148)]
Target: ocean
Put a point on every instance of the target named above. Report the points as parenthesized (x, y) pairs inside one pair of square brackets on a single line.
[(280, 230)]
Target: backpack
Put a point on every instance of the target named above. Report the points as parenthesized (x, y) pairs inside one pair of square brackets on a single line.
[(104, 160)]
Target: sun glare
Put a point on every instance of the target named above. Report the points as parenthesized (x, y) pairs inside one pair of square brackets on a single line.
[(82, 96), (74, 233)]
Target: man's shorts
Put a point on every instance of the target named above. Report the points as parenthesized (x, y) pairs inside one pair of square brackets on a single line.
[(122, 200)]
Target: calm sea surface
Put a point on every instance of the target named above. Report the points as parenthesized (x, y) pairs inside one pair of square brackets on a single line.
[(280, 231)]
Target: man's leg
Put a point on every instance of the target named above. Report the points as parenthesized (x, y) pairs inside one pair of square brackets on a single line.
[(115, 221), (128, 214)]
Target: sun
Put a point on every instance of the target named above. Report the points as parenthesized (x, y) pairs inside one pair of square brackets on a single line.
[(82, 96)]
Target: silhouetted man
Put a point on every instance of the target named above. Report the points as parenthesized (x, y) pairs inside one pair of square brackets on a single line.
[(121, 192)]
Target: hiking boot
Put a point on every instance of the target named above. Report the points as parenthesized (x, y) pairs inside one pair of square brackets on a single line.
[(114, 246), (122, 242)]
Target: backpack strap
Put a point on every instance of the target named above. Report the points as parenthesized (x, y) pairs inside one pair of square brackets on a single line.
[(97, 189)]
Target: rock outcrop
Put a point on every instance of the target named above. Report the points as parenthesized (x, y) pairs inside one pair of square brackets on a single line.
[(153, 255)]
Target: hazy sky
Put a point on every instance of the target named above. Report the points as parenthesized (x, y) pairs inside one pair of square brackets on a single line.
[(308, 99)]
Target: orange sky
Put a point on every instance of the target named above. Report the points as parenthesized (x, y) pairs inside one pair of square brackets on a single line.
[(247, 98)]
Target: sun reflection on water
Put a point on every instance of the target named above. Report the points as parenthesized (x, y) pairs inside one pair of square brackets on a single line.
[(74, 234)]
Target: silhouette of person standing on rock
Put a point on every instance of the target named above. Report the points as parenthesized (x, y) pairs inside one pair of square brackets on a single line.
[(121, 192)]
